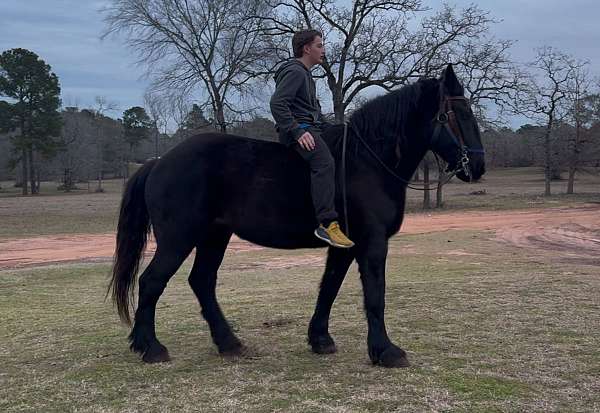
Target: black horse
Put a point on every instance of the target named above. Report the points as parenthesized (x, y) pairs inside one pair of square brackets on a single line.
[(214, 185)]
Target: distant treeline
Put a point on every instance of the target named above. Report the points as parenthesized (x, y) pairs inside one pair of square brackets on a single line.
[(93, 144)]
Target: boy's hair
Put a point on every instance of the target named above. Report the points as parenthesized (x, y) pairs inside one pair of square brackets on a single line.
[(302, 38)]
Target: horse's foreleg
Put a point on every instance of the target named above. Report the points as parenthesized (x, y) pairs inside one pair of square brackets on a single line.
[(338, 261), (371, 263), (203, 280)]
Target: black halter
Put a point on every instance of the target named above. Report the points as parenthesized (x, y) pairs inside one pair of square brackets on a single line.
[(446, 118)]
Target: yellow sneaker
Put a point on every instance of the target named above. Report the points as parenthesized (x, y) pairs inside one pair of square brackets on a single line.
[(333, 235)]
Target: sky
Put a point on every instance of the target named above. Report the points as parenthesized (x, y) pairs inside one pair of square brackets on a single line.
[(66, 35)]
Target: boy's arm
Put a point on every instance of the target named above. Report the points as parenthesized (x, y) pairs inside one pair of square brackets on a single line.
[(285, 93)]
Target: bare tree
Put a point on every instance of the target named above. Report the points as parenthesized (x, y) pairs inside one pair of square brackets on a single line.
[(102, 105), (426, 164), (157, 110), (492, 80), (581, 102), (72, 140), (178, 106), (546, 104), (194, 46), (590, 157), (442, 178), (82, 139), (373, 43)]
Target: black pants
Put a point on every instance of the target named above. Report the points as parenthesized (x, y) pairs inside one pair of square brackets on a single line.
[(322, 177)]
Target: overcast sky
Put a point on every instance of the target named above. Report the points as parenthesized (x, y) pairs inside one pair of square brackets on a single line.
[(66, 34)]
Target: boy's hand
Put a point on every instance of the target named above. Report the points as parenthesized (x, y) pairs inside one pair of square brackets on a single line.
[(307, 141)]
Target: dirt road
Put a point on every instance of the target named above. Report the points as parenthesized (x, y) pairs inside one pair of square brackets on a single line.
[(569, 231)]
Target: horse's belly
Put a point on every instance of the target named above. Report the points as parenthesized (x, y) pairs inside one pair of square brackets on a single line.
[(276, 224)]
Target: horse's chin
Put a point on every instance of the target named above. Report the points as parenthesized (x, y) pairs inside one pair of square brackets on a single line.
[(475, 174), (463, 177)]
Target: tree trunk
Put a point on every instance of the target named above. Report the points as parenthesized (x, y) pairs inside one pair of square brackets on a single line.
[(100, 158), (129, 160), (439, 201), (24, 171), (156, 136), (426, 195), (338, 109), (33, 185), (571, 182), (574, 157), (99, 187), (38, 180), (220, 117), (439, 195), (547, 161)]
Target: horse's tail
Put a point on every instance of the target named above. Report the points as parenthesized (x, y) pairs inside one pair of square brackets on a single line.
[(132, 234)]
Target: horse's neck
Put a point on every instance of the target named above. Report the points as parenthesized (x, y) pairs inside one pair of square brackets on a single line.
[(412, 149), (409, 161)]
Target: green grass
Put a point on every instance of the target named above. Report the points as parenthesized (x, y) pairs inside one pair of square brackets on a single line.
[(504, 329), (482, 388)]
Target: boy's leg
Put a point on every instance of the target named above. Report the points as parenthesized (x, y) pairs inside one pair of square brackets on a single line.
[(322, 178)]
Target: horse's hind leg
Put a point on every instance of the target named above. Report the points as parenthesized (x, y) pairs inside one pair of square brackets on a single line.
[(167, 259), (203, 280), (338, 261)]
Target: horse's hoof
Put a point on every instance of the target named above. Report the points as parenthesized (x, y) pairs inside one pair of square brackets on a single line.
[(393, 357), (323, 345), (156, 354), (240, 351)]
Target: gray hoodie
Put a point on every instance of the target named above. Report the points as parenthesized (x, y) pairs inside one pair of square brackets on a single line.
[(294, 101)]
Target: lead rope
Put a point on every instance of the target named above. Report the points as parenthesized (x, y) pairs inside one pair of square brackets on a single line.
[(387, 168), (347, 228)]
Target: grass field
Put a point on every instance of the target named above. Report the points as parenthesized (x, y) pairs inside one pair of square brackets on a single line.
[(55, 212), (488, 327)]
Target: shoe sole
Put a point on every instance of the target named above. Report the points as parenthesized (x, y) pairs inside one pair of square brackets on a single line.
[(330, 242)]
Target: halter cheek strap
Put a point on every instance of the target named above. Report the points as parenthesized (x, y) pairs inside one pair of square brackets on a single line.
[(447, 118)]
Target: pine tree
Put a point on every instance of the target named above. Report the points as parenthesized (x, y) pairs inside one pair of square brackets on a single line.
[(32, 109)]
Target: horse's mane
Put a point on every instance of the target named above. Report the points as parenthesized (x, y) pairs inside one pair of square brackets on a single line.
[(382, 121), (387, 114)]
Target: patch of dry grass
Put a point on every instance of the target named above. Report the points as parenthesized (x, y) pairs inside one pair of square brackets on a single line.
[(60, 213), (512, 188), (488, 327)]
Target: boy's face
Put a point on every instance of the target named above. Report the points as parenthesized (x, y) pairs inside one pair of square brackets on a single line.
[(315, 50)]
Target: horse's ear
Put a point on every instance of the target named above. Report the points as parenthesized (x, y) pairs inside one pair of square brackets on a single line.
[(451, 83)]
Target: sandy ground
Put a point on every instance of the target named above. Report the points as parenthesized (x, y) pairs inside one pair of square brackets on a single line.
[(570, 233)]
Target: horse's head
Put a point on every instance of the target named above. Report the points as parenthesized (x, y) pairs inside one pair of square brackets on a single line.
[(455, 133)]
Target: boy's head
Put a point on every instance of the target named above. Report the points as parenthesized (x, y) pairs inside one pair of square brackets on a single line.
[(309, 43)]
